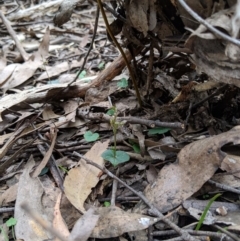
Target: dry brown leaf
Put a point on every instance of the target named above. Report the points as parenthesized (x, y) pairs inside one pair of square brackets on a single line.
[(152, 15), (26, 228), (198, 7), (48, 113), (138, 15), (84, 226), (9, 195), (18, 73), (11, 100), (5, 230), (56, 70), (47, 155), (213, 56), (80, 180), (231, 163), (113, 222), (197, 163), (58, 222)]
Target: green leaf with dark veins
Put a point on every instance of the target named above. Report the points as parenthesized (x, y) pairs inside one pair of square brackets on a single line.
[(158, 130), (90, 136), (120, 157), (123, 83)]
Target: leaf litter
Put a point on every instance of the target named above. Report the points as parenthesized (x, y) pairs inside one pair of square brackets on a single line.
[(182, 142)]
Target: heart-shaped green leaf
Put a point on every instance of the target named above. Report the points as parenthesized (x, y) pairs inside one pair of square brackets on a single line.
[(90, 136), (123, 83), (120, 157)]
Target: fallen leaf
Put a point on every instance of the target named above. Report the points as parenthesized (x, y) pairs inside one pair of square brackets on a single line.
[(26, 228), (197, 163), (80, 180), (84, 226), (18, 73), (114, 221), (58, 222)]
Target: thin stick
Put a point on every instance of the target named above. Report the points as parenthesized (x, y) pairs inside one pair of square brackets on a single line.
[(23, 53)]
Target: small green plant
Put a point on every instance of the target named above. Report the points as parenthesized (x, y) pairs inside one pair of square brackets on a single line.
[(82, 74), (135, 146), (112, 155), (123, 83), (200, 222), (111, 112), (11, 222), (44, 171), (90, 136), (101, 65), (64, 169), (158, 130), (107, 204)]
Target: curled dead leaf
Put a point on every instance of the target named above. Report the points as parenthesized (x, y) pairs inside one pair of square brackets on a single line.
[(197, 163)]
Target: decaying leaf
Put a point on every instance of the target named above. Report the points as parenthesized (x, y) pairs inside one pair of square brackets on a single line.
[(80, 180), (26, 228), (138, 15), (197, 162), (215, 57), (84, 226), (58, 222), (19, 73), (113, 222)]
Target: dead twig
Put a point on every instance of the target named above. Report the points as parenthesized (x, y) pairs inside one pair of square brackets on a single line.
[(23, 53), (133, 120)]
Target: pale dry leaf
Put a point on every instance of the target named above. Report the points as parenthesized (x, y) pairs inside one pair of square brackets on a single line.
[(230, 164), (196, 5), (138, 15), (113, 222), (58, 222), (48, 113), (80, 180), (48, 154), (9, 195), (4, 230), (197, 163), (3, 62), (152, 15), (232, 219), (17, 74), (70, 106), (228, 180), (84, 226), (11, 100), (213, 56), (26, 228), (52, 71), (7, 72), (69, 121), (196, 213)]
